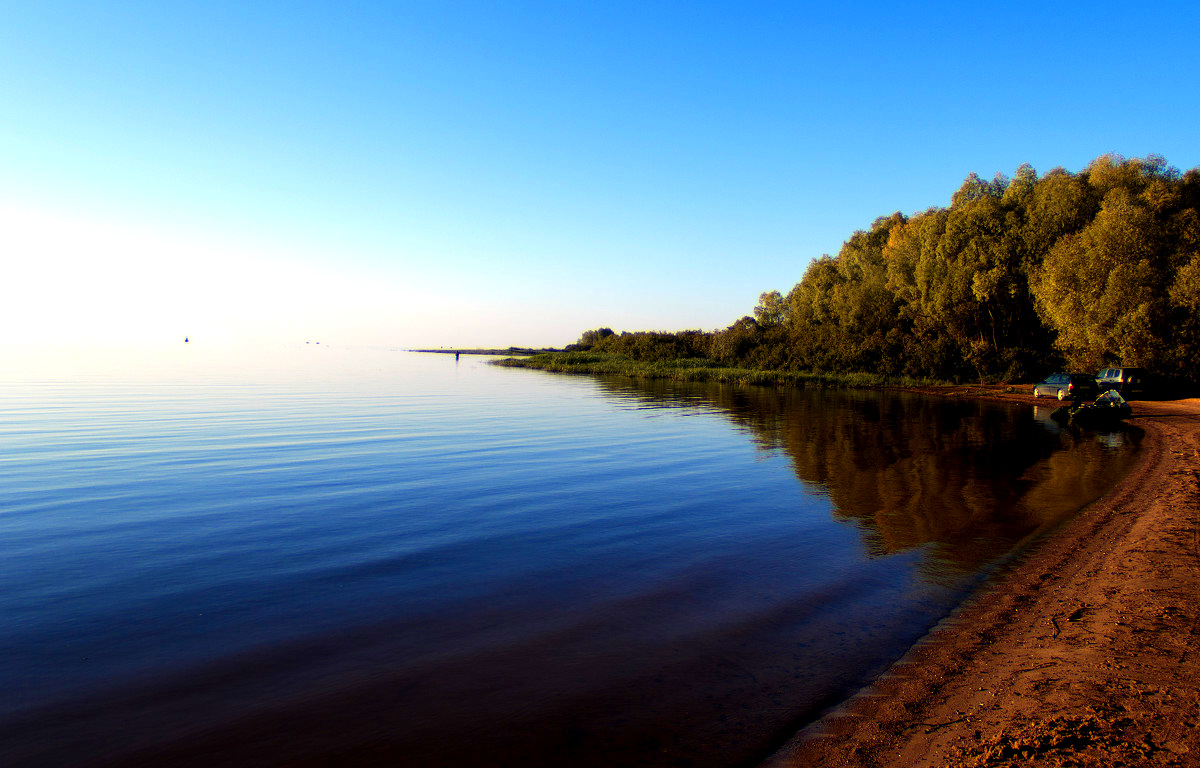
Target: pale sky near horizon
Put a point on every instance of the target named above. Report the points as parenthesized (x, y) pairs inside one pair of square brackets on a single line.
[(491, 174)]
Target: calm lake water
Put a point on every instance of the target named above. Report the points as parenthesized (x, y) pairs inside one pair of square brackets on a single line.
[(325, 556)]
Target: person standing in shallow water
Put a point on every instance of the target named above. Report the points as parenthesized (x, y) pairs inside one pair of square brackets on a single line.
[(456, 357)]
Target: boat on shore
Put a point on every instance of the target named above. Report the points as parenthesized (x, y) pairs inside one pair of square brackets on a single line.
[(1108, 409)]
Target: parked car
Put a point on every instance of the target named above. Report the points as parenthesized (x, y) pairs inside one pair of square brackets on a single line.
[(1130, 382), (1076, 386)]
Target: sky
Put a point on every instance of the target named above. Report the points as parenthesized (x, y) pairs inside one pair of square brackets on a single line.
[(487, 174)]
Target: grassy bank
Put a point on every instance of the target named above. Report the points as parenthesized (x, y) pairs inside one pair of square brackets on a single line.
[(693, 369)]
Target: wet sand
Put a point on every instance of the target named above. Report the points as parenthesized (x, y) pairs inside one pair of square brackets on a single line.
[(1085, 652)]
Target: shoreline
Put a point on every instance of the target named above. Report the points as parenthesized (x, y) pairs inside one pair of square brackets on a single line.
[(1080, 653), (483, 352)]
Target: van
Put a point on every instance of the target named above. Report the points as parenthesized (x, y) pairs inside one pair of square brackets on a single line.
[(1130, 382)]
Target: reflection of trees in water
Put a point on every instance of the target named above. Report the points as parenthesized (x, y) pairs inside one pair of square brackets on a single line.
[(970, 478)]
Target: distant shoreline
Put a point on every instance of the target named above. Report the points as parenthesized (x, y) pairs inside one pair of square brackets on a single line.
[(494, 352)]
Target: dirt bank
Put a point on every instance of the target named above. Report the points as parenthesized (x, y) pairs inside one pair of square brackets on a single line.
[(1086, 653)]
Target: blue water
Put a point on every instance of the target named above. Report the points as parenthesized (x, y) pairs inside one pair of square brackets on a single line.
[(375, 557)]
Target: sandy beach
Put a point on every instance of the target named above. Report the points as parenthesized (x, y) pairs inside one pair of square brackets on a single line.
[(1085, 652)]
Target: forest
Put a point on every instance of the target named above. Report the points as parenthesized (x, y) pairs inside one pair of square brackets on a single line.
[(1016, 278)]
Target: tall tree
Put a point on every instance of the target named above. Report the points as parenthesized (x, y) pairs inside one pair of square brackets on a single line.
[(1103, 289)]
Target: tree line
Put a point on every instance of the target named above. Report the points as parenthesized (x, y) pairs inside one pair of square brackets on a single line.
[(1015, 278)]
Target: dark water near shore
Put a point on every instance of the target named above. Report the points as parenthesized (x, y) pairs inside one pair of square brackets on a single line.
[(340, 557)]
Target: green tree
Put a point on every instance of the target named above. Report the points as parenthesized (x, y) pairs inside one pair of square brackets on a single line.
[(1103, 290), (1184, 296), (591, 338), (772, 309), (1014, 276)]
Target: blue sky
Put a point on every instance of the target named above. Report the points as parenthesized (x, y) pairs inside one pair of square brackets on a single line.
[(486, 174)]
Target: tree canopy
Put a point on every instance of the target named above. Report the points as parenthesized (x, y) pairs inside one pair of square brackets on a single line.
[(1016, 277)]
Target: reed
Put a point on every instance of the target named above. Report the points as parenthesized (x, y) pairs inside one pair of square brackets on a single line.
[(700, 369)]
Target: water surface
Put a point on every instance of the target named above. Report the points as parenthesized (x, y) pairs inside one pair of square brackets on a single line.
[(372, 557)]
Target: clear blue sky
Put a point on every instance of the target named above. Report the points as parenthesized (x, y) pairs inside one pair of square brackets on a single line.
[(495, 173)]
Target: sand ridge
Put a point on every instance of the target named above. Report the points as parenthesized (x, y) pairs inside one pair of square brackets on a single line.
[(1086, 652)]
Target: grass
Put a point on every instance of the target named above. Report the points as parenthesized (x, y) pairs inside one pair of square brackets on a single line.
[(698, 369)]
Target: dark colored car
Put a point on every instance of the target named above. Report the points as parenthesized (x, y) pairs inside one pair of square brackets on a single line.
[(1130, 382), (1074, 386)]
